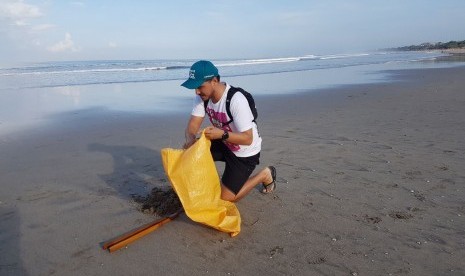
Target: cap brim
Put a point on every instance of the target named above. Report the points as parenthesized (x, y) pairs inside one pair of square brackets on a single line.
[(192, 84)]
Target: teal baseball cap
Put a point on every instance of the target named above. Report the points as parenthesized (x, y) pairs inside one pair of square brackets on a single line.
[(200, 72)]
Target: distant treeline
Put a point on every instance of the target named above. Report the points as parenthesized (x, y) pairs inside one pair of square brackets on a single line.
[(434, 46)]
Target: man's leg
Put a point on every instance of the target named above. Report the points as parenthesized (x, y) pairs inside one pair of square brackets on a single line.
[(264, 176), (236, 172)]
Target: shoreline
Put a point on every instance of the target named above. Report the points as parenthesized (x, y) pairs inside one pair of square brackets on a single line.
[(457, 51), (456, 55), (369, 182), (38, 107)]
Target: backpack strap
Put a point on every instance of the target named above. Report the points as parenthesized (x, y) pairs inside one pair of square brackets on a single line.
[(231, 93), (232, 90), (247, 96)]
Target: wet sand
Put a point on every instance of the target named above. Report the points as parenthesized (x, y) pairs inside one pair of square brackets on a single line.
[(370, 182)]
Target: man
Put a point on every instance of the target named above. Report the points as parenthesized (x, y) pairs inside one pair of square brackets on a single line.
[(238, 143)]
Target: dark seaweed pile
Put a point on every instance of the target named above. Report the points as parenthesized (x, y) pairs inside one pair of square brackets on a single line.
[(163, 202)]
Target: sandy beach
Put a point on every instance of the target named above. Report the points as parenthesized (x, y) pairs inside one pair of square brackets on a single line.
[(370, 182)]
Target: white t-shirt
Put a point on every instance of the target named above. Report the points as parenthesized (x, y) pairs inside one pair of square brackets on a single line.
[(243, 120)]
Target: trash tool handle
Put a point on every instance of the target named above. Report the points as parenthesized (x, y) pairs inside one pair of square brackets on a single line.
[(133, 235)]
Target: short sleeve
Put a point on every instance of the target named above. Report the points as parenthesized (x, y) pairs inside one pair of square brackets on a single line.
[(240, 110), (198, 108)]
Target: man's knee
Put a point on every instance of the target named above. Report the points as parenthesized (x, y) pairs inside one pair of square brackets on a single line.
[(227, 195)]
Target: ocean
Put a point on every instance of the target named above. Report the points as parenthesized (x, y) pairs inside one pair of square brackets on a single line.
[(34, 94), (72, 73)]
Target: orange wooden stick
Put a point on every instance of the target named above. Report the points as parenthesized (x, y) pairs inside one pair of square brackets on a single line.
[(125, 239)]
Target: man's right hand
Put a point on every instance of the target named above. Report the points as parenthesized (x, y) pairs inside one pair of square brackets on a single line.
[(189, 143), (192, 130)]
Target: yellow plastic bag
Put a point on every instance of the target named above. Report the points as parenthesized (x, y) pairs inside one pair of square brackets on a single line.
[(193, 175)]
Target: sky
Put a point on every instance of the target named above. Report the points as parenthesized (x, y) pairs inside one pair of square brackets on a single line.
[(52, 30)]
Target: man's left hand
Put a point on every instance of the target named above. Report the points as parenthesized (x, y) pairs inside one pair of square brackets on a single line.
[(213, 133)]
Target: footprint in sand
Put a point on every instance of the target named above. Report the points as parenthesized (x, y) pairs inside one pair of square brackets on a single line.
[(400, 215)]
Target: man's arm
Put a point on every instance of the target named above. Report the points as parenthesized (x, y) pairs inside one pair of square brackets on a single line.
[(243, 120), (239, 138), (192, 129)]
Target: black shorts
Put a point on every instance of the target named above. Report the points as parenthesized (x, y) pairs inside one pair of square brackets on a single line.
[(237, 169)]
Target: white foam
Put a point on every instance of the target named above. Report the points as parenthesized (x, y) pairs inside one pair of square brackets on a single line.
[(343, 56), (86, 71), (258, 61)]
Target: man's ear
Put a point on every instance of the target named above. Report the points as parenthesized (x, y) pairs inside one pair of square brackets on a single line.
[(215, 80)]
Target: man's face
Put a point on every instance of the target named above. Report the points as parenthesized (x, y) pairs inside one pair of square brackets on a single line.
[(205, 91)]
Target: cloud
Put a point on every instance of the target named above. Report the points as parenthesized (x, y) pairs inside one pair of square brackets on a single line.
[(18, 21), (65, 45), (18, 13), (112, 44), (42, 27), (78, 3)]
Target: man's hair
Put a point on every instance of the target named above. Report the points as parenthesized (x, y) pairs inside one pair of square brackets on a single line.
[(217, 77)]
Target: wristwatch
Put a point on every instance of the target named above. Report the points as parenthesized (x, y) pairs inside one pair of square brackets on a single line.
[(225, 136)]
